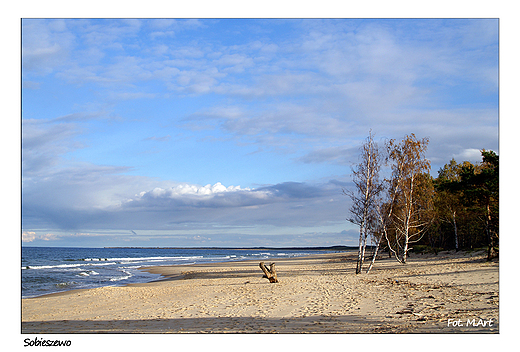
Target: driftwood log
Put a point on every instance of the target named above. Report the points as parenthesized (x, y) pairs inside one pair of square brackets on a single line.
[(269, 273)]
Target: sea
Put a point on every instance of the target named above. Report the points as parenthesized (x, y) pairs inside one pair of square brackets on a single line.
[(48, 270)]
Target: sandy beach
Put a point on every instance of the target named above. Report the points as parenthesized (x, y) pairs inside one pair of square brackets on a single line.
[(447, 293)]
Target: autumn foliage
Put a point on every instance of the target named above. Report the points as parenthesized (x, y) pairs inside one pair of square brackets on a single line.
[(410, 210)]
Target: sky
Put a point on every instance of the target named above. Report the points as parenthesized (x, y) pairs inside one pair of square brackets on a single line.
[(235, 132)]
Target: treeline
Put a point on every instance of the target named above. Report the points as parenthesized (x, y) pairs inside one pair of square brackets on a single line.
[(411, 209), (466, 206)]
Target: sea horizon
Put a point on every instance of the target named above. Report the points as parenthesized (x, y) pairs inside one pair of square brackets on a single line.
[(335, 247)]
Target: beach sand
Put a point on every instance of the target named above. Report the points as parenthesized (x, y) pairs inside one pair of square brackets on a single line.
[(316, 294)]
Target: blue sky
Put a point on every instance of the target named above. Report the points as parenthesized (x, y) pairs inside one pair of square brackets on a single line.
[(234, 132)]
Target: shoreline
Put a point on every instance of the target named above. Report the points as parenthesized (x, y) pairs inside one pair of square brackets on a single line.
[(156, 269), (167, 272), (319, 293)]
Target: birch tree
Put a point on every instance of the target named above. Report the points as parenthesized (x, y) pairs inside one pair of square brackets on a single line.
[(367, 186), (411, 192), (377, 237)]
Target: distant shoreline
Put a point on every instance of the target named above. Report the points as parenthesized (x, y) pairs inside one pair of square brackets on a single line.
[(331, 248)]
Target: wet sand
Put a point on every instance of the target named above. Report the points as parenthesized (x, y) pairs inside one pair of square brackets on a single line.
[(317, 294)]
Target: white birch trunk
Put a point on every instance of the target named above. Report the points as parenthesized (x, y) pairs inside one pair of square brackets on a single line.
[(455, 229), (359, 262), (375, 254)]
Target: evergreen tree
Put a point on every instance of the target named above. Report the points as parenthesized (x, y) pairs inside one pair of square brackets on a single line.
[(480, 187)]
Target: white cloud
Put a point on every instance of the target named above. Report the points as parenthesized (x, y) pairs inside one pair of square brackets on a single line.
[(44, 48), (28, 236), (207, 190), (49, 237), (108, 33), (343, 52), (471, 154), (101, 201), (31, 236), (312, 96), (81, 234), (182, 195)]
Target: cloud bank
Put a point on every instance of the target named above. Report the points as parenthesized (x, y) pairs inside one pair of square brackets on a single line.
[(147, 125)]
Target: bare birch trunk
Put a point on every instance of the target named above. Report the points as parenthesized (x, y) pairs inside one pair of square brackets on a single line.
[(409, 165), (405, 251), (367, 187), (375, 255), (455, 229), (488, 232), (384, 228), (363, 251), (359, 260)]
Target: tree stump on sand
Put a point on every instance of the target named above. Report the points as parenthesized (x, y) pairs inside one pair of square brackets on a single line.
[(269, 273)]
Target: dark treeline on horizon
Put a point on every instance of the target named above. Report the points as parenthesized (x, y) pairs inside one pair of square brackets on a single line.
[(329, 248)]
